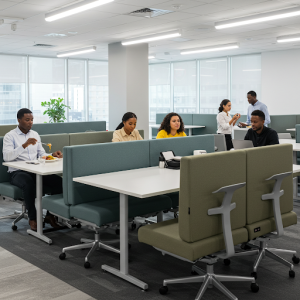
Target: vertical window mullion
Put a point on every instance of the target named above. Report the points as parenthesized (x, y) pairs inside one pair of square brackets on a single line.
[(172, 86), (87, 90), (67, 102)]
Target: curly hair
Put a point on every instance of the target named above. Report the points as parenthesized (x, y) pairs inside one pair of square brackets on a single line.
[(165, 125)]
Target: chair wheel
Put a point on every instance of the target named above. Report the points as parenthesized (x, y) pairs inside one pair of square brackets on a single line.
[(87, 265), (194, 272), (78, 225), (163, 290), (292, 274), (254, 287), (14, 227), (226, 262), (129, 246), (133, 226), (254, 274), (295, 260), (62, 256), (245, 246), (117, 231)]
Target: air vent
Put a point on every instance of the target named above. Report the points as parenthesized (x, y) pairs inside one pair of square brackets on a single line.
[(149, 12), (43, 45)]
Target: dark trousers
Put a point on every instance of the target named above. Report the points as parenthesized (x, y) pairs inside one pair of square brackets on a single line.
[(228, 140), (27, 183)]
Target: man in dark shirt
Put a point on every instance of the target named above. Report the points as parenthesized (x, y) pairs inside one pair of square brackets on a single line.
[(259, 134)]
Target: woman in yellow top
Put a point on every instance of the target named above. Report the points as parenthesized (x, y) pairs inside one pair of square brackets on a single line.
[(171, 126), (126, 131)]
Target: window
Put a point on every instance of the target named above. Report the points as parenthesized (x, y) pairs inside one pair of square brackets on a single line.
[(213, 84), (12, 87), (76, 76), (159, 90), (245, 76), (47, 81), (185, 87), (98, 91)]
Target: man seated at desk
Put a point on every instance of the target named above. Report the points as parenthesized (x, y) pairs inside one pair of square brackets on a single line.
[(24, 144), (259, 134)]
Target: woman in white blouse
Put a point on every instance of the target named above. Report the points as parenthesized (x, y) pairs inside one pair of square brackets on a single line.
[(225, 122)]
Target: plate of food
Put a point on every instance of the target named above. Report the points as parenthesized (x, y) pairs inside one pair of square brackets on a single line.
[(50, 158)]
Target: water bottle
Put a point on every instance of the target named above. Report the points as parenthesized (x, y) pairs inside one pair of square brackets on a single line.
[(161, 162)]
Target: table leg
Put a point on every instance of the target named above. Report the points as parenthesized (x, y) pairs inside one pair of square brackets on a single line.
[(39, 212), (124, 272), (190, 131)]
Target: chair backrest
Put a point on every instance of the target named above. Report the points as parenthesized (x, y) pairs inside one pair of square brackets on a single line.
[(4, 129), (263, 163), (181, 146), (69, 127), (220, 142), (281, 123), (285, 135), (97, 159), (85, 138), (4, 176), (58, 141), (200, 176)]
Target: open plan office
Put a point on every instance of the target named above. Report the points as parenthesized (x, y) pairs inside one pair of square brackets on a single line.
[(150, 149)]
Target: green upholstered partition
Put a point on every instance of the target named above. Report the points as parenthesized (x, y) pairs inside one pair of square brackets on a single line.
[(207, 120), (69, 127), (281, 123), (297, 119), (58, 141), (4, 129), (97, 159), (182, 146), (297, 136)]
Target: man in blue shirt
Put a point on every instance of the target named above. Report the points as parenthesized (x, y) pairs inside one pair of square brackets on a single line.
[(24, 144), (256, 105)]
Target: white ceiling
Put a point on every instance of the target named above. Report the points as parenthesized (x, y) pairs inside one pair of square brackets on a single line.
[(109, 23)]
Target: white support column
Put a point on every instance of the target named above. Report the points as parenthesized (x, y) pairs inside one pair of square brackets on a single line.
[(128, 84)]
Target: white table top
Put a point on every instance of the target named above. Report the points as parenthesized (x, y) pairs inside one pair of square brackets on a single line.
[(185, 126), (41, 169), (296, 168), (140, 183), (291, 129), (296, 146)]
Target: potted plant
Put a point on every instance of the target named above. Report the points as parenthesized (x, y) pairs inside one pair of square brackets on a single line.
[(55, 110)]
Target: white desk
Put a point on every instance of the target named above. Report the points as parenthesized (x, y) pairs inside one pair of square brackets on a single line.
[(40, 171), (147, 182), (239, 133), (296, 147), (291, 129), (189, 127)]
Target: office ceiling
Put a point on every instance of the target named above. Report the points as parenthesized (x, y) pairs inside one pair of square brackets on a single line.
[(110, 23)]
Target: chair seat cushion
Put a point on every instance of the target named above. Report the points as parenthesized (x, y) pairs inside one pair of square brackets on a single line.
[(175, 199), (268, 225), (11, 191), (56, 205), (106, 211), (165, 236)]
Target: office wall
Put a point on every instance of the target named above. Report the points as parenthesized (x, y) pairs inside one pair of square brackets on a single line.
[(281, 81)]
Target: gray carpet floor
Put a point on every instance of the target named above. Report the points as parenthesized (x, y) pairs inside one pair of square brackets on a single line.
[(146, 263)]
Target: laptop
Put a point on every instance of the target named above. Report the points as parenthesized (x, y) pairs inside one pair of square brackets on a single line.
[(242, 144)]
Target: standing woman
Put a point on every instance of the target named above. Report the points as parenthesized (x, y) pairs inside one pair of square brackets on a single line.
[(171, 126), (126, 131), (225, 122)]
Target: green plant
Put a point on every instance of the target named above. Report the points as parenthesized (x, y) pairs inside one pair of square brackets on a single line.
[(55, 110)]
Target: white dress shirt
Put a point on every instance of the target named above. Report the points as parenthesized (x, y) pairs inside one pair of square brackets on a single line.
[(14, 151), (223, 123), (258, 106)]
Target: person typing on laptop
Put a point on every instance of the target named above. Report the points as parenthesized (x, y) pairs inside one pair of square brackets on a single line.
[(259, 134)]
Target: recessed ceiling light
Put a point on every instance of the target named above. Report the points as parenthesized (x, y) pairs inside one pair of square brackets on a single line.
[(288, 38), (55, 35), (76, 51), (210, 49)]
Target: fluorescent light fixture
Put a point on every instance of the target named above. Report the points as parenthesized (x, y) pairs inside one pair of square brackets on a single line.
[(274, 15), (74, 9), (252, 70), (151, 57), (209, 49), (288, 38), (151, 38), (76, 51)]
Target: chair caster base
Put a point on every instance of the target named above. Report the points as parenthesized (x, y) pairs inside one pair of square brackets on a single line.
[(62, 256), (14, 227), (87, 265), (254, 287), (163, 290)]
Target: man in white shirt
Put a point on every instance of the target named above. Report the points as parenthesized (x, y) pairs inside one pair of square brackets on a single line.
[(24, 144)]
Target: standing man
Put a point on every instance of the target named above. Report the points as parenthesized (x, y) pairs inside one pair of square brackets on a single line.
[(256, 105), (24, 144)]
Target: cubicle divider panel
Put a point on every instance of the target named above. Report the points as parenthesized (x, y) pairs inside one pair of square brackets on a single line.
[(263, 163), (200, 176), (94, 159), (58, 141), (4, 129), (85, 138), (207, 120), (297, 133), (281, 123), (182, 146), (297, 119)]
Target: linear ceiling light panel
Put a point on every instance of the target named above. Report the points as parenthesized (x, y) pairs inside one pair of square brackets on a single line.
[(76, 51), (275, 15), (288, 38), (151, 38), (210, 49), (151, 57), (74, 9)]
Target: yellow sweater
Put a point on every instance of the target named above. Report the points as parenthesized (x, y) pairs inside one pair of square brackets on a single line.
[(163, 134)]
